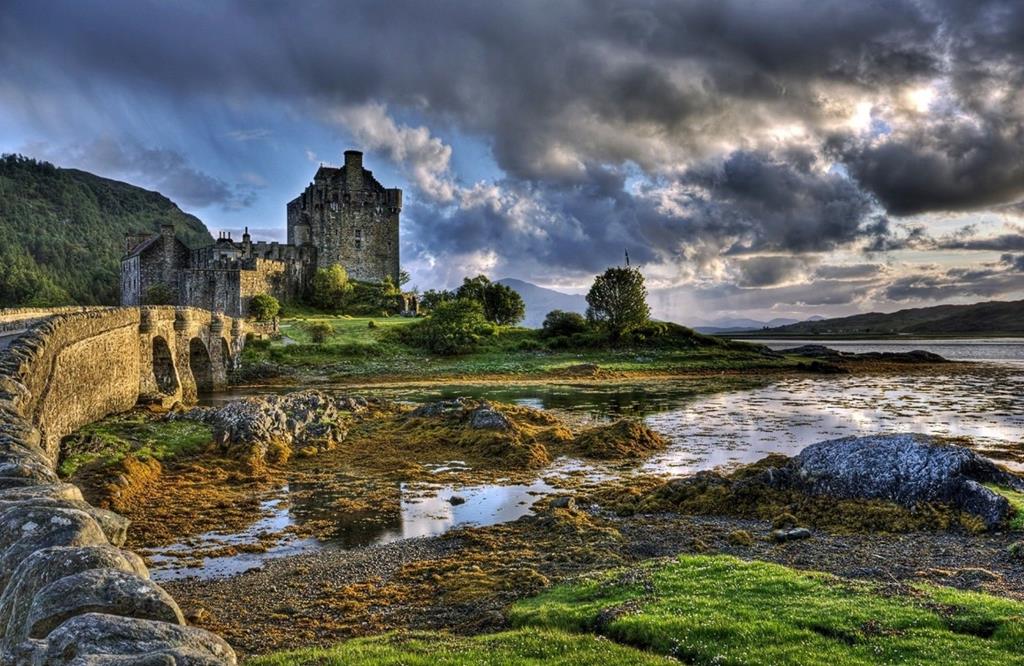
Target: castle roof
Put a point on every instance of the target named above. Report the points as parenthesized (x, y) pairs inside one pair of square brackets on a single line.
[(143, 246)]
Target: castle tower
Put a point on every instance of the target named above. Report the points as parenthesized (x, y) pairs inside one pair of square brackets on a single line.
[(351, 219)]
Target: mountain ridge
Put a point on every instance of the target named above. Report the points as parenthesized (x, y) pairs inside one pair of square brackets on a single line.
[(984, 318), (62, 232)]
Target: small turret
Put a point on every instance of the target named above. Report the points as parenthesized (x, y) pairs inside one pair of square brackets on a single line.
[(353, 170)]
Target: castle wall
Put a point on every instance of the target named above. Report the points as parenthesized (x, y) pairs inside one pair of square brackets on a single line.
[(230, 285)]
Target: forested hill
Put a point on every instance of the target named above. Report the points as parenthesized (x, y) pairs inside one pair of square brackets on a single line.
[(991, 318), (62, 232)]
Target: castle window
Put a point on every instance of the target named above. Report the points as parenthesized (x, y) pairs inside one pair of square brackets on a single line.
[(334, 205), (359, 239)]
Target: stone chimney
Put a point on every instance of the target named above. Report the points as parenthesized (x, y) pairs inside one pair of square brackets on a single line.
[(353, 169)]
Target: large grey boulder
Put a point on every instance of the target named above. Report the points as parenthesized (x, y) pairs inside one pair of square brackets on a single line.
[(45, 566), (905, 469), (96, 639), (114, 525), (99, 591), (300, 419), (66, 491), (26, 529)]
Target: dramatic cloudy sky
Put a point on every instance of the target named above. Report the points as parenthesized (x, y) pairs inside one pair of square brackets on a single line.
[(759, 158)]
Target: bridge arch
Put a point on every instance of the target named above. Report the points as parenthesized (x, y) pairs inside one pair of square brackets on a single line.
[(164, 372), (201, 365)]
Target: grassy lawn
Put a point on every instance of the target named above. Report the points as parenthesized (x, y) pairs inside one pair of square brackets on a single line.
[(525, 646), (356, 349), (721, 610), (717, 610)]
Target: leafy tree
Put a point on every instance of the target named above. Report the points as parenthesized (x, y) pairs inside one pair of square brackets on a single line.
[(502, 305), (618, 301), (159, 294), (264, 307), (454, 327), (331, 288), (431, 298), (474, 289), (319, 331), (560, 322), (403, 278)]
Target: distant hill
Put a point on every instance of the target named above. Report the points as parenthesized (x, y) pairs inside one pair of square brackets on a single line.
[(991, 318), (62, 232), (739, 325), (540, 301)]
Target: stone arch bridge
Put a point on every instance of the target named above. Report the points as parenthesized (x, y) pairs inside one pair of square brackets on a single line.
[(73, 366), (68, 593)]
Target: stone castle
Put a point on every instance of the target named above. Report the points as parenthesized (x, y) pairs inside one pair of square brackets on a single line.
[(343, 217)]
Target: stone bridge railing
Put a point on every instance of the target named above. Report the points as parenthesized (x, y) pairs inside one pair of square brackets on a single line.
[(68, 593)]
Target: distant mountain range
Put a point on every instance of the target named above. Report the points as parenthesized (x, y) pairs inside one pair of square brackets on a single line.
[(741, 325), (62, 232), (540, 301), (990, 318)]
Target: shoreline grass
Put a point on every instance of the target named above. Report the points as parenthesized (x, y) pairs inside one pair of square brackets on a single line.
[(716, 609)]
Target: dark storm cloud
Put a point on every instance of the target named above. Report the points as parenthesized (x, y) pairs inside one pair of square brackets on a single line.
[(663, 127), (528, 74), (750, 203), (1014, 261), (932, 286), (1001, 243), (769, 271), (849, 272)]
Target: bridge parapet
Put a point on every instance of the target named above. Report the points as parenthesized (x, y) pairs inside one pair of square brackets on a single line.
[(71, 367)]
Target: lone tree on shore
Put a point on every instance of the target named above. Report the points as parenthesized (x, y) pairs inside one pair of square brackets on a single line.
[(617, 301)]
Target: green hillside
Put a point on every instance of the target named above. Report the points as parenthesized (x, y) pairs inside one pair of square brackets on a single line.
[(62, 232), (991, 318)]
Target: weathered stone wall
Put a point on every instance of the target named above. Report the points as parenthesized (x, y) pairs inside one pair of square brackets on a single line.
[(68, 593)]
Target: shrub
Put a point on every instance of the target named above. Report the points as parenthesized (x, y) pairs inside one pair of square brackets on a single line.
[(319, 331), (560, 322), (454, 327), (330, 288), (432, 298), (264, 307)]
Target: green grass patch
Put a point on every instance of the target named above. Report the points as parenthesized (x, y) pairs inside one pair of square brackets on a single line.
[(355, 349), (522, 647), (1016, 500), (722, 610), (107, 442)]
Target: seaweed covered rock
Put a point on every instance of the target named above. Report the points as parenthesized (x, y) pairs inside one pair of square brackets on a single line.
[(623, 439), (888, 483), (511, 435), (907, 470), (267, 429)]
